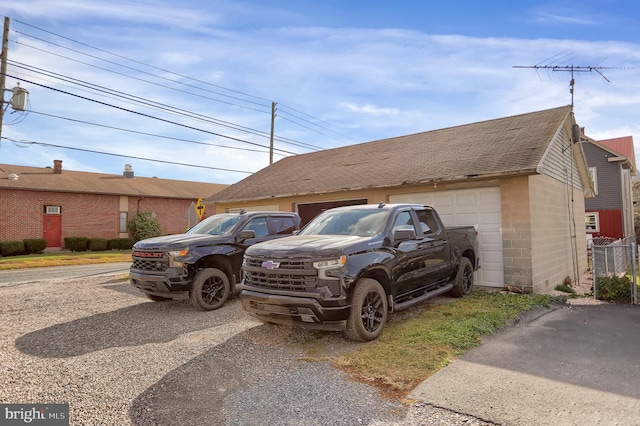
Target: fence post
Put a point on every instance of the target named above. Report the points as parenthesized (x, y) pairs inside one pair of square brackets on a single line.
[(594, 269), (634, 281)]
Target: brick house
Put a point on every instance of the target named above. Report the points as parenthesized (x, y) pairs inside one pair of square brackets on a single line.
[(520, 180), (612, 166), (51, 203)]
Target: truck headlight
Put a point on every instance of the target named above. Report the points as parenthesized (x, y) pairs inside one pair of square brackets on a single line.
[(331, 263), (173, 255)]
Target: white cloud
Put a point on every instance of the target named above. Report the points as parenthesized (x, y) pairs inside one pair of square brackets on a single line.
[(358, 84)]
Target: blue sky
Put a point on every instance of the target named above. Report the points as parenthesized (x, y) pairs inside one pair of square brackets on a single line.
[(190, 84)]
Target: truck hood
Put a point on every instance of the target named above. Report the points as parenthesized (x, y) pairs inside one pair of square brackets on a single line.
[(178, 241), (313, 246)]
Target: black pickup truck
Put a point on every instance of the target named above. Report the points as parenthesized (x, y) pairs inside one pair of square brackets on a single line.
[(204, 263), (350, 266)]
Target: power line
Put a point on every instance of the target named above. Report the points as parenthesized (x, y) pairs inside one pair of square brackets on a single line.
[(145, 81), (142, 63), (167, 71), (137, 99), (147, 102), (150, 116), (149, 134), (310, 122), (124, 156)]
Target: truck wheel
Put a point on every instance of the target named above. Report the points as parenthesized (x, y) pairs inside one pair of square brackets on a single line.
[(210, 289), (157, 298), (368, 311), (464, 279)]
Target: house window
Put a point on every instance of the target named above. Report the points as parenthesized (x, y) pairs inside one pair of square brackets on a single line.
[(123, 222), (593, 175), (52, 209), (592, 222)]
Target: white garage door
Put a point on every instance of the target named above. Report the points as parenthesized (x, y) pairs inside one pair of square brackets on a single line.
[(479, 207)]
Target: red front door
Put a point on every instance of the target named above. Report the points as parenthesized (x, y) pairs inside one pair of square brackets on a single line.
[(51, 229)]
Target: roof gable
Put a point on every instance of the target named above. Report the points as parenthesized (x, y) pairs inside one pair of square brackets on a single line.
[(512, 145), (621, 146)]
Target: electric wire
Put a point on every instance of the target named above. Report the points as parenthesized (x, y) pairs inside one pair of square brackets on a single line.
[(153, 117), (139, 100), (124, 156), (170, 72), (165, 107), (151, 134)]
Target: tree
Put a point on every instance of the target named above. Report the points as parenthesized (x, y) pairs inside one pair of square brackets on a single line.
[(144, 225)]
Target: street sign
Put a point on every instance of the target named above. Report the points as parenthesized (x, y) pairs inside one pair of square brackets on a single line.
[(200, 208)]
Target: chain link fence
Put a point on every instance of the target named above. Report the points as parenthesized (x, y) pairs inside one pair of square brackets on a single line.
[(614, 266)]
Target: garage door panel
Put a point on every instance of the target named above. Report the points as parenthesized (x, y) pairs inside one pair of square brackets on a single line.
[(441, 199), (480, 207), (489, 199), (466, 200)]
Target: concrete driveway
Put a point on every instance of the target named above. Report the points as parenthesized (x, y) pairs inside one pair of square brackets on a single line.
[(573, 365)]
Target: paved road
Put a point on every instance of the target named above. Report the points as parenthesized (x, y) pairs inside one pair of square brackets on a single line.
[(576, 365), (14, 276)]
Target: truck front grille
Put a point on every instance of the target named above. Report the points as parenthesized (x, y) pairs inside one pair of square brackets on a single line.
[(150, 261), (280, 274)]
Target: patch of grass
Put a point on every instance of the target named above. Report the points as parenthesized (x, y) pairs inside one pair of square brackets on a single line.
[(64, 258), (565, 288), (411, 350)]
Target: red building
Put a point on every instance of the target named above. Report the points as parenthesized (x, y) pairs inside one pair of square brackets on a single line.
[(611, 165), (52, 203)]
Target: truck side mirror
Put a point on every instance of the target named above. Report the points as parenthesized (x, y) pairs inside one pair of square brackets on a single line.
[(245, 235), (404, 235)]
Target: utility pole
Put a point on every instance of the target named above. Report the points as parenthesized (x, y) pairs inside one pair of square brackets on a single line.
[(3, 68), (273, 120)]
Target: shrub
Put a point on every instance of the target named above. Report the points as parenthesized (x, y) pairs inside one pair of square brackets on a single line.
[(97, 244), (34, 245), (614, 289), (120, 244), (76, 243), (11, 248), (144, 225)]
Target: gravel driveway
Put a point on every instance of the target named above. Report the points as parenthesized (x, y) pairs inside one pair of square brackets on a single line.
[(118, 358)]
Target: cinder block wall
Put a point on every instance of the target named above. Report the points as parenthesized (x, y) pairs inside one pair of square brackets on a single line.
[(557, 218), (516, 232)]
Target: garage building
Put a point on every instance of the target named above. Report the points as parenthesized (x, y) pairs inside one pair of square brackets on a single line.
[(520, 180)]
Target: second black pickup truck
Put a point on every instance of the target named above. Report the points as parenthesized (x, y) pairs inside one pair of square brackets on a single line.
[(350, 266), (204, 263)]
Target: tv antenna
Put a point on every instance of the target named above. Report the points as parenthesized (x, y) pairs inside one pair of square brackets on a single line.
[(570, 68)]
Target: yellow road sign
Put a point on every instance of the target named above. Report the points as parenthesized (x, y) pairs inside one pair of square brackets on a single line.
[(200, 208)]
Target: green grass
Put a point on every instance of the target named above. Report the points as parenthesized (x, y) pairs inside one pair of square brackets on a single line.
[(64, 258), (565, 288), (411, 350)]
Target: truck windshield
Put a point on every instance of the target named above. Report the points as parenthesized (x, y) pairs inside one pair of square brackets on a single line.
[(219, 224), (361, 223)]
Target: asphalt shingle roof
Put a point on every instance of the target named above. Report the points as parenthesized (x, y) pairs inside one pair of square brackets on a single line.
[(43, 179), (501, 146)]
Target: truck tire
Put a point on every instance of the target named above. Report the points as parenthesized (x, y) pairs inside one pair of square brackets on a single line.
[(369, 311), (464, 279), (210, 289), (157, 298)]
